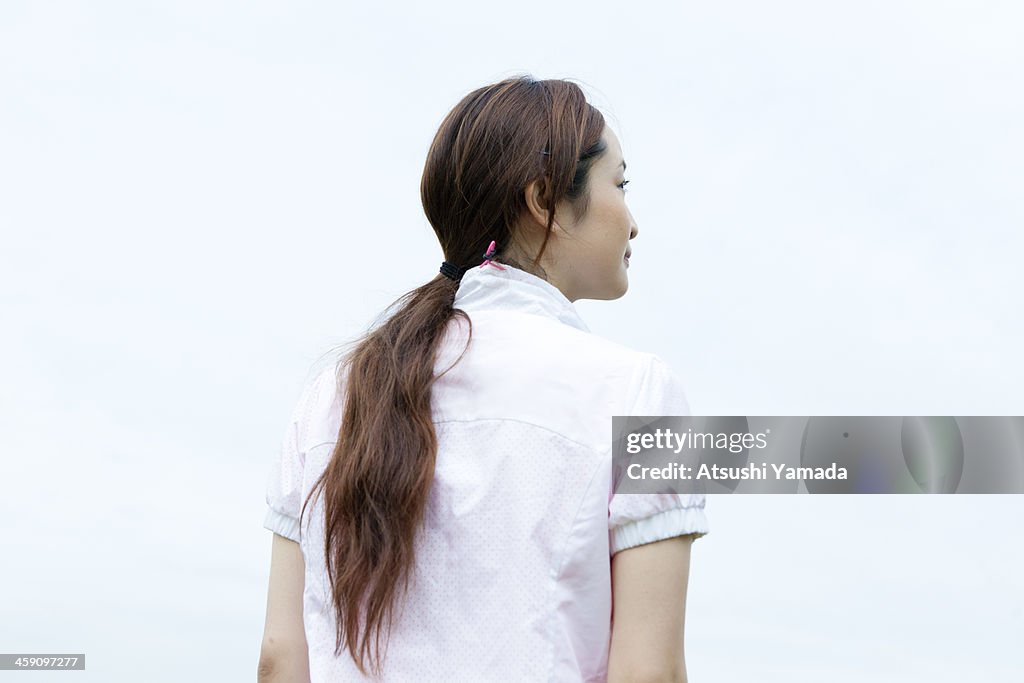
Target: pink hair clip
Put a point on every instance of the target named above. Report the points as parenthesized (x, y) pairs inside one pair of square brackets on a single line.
[(487, 257)]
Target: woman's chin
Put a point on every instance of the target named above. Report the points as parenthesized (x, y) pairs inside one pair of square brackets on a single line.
[(621, 288)]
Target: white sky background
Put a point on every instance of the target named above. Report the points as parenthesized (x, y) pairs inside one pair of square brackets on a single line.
[(198, 199)]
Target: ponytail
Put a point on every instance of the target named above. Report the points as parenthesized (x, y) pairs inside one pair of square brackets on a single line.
[(376, 484)]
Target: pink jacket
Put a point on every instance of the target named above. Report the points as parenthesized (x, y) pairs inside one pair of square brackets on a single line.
[(512, 581)]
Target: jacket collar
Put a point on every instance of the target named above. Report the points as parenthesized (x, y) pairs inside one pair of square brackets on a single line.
[(512, 289)]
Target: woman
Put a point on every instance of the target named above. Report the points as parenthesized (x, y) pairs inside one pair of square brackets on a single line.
[(443, 508)]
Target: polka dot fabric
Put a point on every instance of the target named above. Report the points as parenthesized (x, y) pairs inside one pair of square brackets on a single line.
[(512, 580)]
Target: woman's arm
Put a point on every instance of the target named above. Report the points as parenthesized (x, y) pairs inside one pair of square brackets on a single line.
[(649, 610), (283, 655)]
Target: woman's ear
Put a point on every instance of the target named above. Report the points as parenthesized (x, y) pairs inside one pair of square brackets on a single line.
[(535, 194), (535, 203)]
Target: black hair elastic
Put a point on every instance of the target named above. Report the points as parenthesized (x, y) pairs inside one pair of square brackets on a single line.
[(450, 270)]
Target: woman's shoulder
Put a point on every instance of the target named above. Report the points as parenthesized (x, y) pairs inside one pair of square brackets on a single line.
[(524, 335), (317, 413), (542, 371)]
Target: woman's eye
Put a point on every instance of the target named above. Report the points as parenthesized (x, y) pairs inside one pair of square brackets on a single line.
[(623, 185)]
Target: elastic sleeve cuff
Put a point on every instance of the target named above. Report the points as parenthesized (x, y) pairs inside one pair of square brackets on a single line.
[(282, 524), (667, 524)]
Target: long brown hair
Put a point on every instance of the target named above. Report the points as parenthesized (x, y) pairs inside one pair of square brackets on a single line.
[(488, 149)]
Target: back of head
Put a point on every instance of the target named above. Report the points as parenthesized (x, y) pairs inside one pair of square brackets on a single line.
[(490, 147)]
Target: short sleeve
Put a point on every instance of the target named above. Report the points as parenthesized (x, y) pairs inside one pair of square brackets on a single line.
[(635, 518), (284, 493)]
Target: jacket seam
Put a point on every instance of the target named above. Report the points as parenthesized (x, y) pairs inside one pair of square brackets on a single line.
[(525, 422)]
